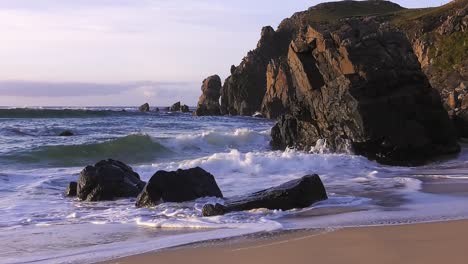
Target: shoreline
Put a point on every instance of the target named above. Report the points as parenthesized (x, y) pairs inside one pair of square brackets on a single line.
[(426, 243)]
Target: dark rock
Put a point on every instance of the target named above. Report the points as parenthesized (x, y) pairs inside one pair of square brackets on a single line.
[(178, 186), (157, 110), (208, 103), (71, 189), (213, 210), (66, 133), (244, 90), (298, 193), (383, 109), (175, 107), (361, 83), (460, 121), (184, 109), (144, 108), (108, 180)]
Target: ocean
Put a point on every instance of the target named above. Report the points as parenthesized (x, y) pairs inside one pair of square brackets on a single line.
[(39, 224)]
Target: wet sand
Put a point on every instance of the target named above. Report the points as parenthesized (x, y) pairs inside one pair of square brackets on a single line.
[(442, 242)]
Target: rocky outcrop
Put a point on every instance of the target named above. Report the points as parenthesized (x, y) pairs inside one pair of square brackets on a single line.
[(243, 91), (175, 107), (440, 40), (71, 189), (385, 108), (178, 186), (298, 193), (178, 107), (352, 81), (208, 103), (144, 107), (108, 180)]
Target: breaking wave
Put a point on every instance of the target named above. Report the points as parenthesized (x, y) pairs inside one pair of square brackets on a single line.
[(134, 148), (212, 141)]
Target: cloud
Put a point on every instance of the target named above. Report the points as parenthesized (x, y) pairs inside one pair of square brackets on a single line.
[(72, 89)]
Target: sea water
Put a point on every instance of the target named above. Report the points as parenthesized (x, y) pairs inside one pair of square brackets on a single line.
[(39, 224)]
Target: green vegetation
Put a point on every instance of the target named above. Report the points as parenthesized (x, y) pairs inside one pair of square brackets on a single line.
[(449, 51), (331, 12)]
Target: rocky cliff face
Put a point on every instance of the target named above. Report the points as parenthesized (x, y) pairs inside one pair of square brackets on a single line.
[(440, 40), (358, 84), (353, 82)]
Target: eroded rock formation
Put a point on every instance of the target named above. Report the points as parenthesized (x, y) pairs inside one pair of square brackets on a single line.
[(355, 81), (208, 104), (144, 107)]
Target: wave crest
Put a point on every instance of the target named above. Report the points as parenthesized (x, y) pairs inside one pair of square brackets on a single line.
[(133, 148)]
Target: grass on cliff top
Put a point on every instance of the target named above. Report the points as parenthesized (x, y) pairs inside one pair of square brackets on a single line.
[(333, 11), (406, 16), (451, 50)]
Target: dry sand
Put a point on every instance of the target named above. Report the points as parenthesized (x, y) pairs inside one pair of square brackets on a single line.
[(444, 242)]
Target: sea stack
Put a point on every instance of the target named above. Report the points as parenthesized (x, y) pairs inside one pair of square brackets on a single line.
[(208, 104), (144, 107)]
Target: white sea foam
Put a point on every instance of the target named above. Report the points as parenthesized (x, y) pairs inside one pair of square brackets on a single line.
[(46, 227), (209, 141)]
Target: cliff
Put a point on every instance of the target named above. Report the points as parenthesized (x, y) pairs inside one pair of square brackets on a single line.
[(359, 75)]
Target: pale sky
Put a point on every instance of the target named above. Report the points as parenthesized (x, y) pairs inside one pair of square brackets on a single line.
[(126, 52)]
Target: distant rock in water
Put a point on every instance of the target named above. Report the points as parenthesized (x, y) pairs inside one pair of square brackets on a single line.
[(66, 133), (71, 190), (208, 103), (184, 109), (178, 186), (108, 180), (144, 107), (178, 107), (298, 193), (175, 107)]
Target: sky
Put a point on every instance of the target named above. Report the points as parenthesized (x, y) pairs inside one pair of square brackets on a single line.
[(127, 52)]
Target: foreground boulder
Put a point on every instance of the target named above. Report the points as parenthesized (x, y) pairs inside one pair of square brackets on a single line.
[(144, 108), (298, 193), (178, 186), (108, 180), (208, 103)]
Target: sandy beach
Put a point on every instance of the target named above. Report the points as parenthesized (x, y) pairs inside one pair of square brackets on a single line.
[(442, 242)]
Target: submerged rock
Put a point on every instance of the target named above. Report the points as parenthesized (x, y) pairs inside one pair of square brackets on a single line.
[(66, 133), (71, 189), (108, 180), (208, 103), (144, 107), (178, 186), (298, 193)]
